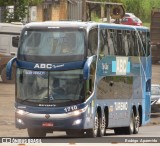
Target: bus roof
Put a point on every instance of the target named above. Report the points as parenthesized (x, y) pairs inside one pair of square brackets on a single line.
[(63, 24), (86, 25), (9, 27), (123, 27)]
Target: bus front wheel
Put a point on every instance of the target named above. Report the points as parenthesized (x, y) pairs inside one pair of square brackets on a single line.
[(94, 131), (36, 132), (102, 126)]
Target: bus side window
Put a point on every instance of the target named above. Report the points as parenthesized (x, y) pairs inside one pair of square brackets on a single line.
[(103, 49), (129, 40), (93, 42), (120, 43), (90, 82), (136, 46), (125, 43), (133, 48), (111, 42), (145, 41), (88, 88), (148, 43), (148, 85), (90, 85), (108, 42), (141, 46)]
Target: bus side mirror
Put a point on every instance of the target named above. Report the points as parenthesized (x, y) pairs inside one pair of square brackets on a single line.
[(9, 68)]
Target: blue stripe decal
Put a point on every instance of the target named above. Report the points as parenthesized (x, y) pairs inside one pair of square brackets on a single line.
[(128, 67), (50, 66), (113, 66)]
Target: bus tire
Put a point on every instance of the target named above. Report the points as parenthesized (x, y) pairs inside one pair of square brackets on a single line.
[(3, 76), (102, 126), (130, 128), (75, 133), (36, 132), (94, 131), (136, 123)]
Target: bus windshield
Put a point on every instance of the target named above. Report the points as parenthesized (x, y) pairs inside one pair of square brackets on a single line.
[(57, 87), (51, 43)]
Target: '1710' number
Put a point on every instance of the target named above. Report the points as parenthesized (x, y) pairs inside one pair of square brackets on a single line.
[(70, 108)]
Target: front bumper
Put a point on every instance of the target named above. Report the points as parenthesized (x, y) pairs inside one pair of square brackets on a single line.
[(72, 120)]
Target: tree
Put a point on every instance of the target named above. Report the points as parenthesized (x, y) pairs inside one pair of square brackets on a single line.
[(141, 8), (20, 9)]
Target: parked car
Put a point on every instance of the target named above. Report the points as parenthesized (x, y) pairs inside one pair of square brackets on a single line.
[(129, 15), (131, 21), (155, 97), (155, 94)]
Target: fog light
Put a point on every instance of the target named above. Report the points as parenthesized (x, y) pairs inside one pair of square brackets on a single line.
[(77, 122)]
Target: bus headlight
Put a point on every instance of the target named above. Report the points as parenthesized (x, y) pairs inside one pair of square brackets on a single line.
[(76, 113), (21, 112), (80, 111)]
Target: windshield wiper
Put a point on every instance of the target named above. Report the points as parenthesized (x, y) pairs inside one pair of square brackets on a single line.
[(63, 99), (32, 99)]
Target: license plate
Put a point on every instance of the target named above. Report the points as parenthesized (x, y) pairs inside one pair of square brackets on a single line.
[(47, 124)]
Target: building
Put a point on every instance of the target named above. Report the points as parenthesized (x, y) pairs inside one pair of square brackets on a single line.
[(57, 10), (51, 10)]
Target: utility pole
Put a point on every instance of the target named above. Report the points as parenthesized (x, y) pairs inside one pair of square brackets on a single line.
[(16, 18), (108, 12), (102, 11), (84, 11)]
